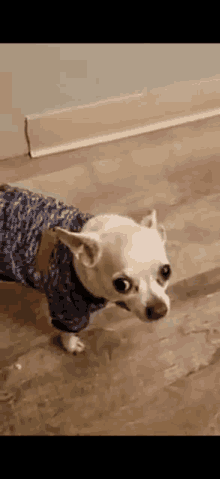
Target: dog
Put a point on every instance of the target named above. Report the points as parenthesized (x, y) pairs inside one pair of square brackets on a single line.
[(82, 262)]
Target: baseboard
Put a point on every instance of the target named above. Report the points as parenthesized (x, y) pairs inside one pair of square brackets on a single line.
[(117, 118)]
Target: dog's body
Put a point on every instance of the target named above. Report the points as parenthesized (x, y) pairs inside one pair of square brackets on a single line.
[(82, 262)]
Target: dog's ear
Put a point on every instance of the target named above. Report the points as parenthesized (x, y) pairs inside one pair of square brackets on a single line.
[(85, 246), (150, 221), (162, 233)]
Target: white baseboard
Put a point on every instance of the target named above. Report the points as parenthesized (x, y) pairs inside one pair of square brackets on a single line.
[(118, 118)]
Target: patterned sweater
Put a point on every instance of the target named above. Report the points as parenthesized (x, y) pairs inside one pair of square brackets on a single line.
[(23, 217)]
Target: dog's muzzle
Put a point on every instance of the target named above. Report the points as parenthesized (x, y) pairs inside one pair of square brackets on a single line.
[(156, 311), (153, 311)]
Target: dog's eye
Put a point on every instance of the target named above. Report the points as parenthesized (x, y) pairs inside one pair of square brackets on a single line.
[(165, 271), (122, 285)]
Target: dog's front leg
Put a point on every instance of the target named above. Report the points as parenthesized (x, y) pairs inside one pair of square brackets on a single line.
[(72, 343)]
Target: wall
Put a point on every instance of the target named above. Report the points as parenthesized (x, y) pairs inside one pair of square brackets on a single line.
[(35, 78)]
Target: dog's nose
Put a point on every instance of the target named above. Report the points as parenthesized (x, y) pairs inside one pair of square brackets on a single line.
[(156, 311)]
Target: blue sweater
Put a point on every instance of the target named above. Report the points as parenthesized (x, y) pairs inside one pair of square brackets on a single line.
[(23, 217)]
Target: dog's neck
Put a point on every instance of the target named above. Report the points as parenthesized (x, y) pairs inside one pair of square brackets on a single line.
[(84, 291), (47, 246)]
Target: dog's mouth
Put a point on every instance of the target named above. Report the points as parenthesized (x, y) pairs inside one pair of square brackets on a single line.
[(122, 305)]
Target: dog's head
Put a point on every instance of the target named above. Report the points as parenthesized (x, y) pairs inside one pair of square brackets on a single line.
[(123, 262)]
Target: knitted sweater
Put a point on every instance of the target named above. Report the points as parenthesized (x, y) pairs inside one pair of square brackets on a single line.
[(23, 217)]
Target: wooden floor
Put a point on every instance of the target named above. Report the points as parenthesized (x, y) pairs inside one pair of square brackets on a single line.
[(132, 378)]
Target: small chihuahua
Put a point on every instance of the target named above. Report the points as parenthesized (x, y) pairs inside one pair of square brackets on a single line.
[(81, 262), (122, 261)]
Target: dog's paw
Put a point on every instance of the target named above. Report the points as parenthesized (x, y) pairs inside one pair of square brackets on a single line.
[(72, 343)]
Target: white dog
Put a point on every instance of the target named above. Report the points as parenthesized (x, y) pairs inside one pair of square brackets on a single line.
[(122, 261), (81, 262)]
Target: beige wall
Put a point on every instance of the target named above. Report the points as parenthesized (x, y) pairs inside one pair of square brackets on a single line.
[(35, 78)]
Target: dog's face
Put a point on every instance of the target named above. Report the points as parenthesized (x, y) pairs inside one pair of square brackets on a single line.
[(123, 262)]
